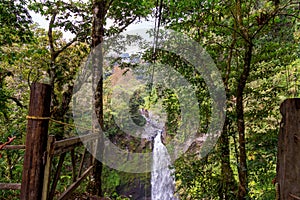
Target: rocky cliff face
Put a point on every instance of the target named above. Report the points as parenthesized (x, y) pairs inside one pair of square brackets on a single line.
[(132, 185), (137, 187)]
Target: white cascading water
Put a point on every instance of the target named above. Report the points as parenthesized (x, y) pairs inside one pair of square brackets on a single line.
[(162, 180)]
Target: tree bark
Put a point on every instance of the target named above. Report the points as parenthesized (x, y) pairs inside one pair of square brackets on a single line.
[(242, 169), (99, 13), (247, 57), (58, 108), (228, 188)]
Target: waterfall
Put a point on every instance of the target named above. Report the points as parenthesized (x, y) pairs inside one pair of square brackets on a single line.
[(162, 181)]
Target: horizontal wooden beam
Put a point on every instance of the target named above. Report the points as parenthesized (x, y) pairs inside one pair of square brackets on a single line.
[(66, 142), (64, 150), (10, 186), (74, 141), (14, 147)]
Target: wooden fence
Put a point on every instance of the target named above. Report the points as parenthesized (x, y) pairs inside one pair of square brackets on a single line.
[(58, 148), (40, 150)]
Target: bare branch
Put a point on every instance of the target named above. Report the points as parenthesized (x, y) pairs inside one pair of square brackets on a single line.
[(56, 53), (126, 25), (10, 140), (50, 32), (17, 102), (271, 16)]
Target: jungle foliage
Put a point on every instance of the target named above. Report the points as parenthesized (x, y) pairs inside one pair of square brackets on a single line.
[(254, 44)]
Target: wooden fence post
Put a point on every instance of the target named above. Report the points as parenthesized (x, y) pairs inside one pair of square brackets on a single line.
[(36, 142), (47, 171), (288, 160)]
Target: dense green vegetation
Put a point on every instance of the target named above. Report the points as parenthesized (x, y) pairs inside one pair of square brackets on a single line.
[(254, 44)]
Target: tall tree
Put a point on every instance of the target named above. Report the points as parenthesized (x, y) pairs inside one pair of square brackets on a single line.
[(253, 21), (100, 9), (73, 17), (123, 14), (205, 21), (232, 32)]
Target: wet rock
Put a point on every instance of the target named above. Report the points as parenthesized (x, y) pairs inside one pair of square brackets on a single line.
[(137, 189)]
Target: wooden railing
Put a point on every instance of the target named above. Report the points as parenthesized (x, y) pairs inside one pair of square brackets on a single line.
[(40, 149), (60, 148)]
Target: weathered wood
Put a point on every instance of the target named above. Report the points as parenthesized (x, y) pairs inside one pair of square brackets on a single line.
[(56, 176), (73, 160), (36, 142), (14, 147), (69, 144), (62, 150), (74, 141), (81, 163), (288, 165), (10, 186), (74, 185), (48, 157)]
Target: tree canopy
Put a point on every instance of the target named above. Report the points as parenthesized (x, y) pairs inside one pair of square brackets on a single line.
[(254, 45)]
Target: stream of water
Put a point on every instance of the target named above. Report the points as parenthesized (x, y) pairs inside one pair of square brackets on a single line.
[(162, 180)]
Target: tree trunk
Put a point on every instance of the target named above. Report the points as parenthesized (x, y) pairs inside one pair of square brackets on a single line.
[(99, 12), (228, 187), (242, 169), (58, 108)]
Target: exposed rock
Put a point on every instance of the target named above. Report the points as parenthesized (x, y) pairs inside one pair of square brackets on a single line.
[(138, 189), (196, 145)]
